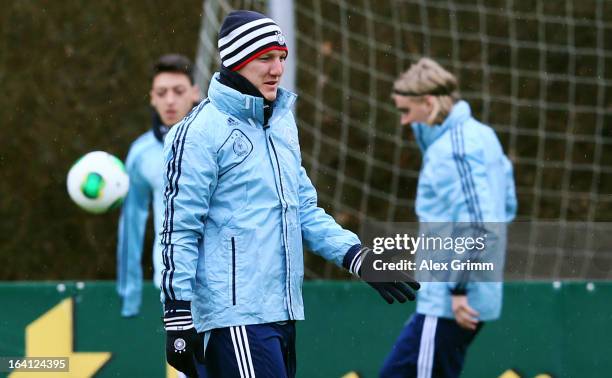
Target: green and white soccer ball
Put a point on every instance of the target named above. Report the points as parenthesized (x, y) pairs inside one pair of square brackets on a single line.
[(98, 182)]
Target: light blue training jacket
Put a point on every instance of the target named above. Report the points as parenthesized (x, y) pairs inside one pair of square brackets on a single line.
[(465, 177), (144, 165), (238, 205)]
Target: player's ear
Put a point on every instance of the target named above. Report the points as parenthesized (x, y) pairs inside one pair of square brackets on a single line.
[(434, 109), (429, 101), (151, 101)]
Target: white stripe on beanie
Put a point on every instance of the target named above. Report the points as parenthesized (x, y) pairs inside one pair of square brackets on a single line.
[(244, 35), (234, 33), (244, 53), (247, 39)]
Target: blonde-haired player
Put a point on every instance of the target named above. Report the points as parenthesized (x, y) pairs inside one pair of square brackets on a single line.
[(465, 179)]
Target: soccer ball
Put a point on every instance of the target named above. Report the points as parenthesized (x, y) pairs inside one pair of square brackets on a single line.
[(98, 182)]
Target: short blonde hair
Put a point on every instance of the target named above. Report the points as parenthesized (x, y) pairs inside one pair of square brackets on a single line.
[(427, 77)]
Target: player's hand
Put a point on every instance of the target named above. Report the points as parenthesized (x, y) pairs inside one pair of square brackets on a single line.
[(400, 290), (465, 315), (184, 347)]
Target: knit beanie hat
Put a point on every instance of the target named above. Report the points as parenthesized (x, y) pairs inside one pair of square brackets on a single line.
[(245, 35)]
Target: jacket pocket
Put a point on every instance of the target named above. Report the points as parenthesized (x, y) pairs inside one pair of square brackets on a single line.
[(233, 271), (241, 285)]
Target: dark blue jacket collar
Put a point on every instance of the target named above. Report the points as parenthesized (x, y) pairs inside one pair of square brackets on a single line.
[(159, 129)]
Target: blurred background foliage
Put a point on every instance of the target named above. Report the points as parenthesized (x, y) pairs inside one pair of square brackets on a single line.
[(75, 78)]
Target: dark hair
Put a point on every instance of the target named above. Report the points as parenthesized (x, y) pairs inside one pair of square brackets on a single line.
[(176, 63)]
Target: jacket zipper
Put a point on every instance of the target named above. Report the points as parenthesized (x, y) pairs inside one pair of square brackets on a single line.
[(284, 212), (233, 272)]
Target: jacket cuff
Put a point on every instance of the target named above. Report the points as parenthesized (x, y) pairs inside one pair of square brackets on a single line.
[(177, 316), (177, 305), (459, 289), (352, 259), (128, 309)]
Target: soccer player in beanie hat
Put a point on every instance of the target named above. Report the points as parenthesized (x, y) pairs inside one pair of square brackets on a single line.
[(238, 206), (245, 35)]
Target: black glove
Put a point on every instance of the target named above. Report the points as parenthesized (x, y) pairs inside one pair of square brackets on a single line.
[(183, 344), (398, 290)]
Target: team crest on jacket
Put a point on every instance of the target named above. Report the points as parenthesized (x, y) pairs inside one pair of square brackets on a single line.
[(241, 147), (234, 150)]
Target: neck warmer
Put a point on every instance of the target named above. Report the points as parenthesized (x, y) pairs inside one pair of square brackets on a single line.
[(159, 129), (238, 82)]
